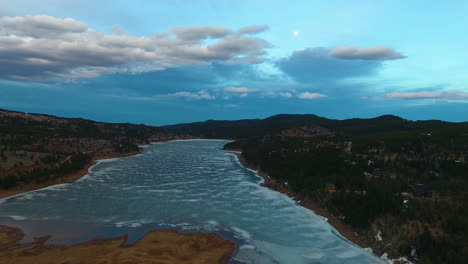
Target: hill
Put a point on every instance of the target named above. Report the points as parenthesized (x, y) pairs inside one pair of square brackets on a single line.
[(396, 185), (38, 149), (256, 127)]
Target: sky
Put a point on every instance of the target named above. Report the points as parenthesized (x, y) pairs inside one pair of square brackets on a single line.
[(171, 61)]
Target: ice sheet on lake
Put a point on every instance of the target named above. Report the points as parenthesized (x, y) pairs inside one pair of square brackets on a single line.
[(194, 186)]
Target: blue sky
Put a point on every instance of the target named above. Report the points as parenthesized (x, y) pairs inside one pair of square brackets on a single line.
[(164, 62)]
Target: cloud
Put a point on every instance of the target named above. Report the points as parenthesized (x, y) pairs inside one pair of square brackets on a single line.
[(309, 96), (287, 95), (316, 65), (190, 78), (118, 30), (233, 89), (449, 95), (38, 48), (40, 26), (367, 53), (241, 91), (200, 95), (200, 33), (253, 29)]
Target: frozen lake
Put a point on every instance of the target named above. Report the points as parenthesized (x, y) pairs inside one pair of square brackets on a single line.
[(193, 186)]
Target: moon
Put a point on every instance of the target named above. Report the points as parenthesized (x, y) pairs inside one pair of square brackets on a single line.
[(296, 33)]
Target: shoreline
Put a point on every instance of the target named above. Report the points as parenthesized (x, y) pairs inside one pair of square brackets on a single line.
[(75, 176), (302, 200), (306, 202), (165, 245), (200, 246), (343, 229), (72, 177)]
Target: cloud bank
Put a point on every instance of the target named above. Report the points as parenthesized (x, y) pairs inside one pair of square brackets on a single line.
[(317, 65), (241, 91), (310, 96), (367, 53), (253, 29), (286, 94), (38, 48), (200, 95), (449, 95)]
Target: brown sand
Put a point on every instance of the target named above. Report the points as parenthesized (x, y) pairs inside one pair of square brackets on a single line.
[(160, 246)]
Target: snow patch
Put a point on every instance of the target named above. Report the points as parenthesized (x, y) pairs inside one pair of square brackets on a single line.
[(402, 260), (17, 217), (378, 237), (247, 247), (323, 218), (254, 171), (130, 224), (240, 233)]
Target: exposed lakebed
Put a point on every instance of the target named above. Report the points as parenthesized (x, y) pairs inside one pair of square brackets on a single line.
[(193, 186)]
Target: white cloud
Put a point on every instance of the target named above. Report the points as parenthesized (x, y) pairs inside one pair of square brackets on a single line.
[(201, 95), (241, 90), (366, 53), (450, 95), (309, 96), (38, 48), (287, 95)]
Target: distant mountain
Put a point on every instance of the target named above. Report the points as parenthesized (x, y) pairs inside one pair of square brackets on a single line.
[(361, 173), (38, 125), (274, 124)]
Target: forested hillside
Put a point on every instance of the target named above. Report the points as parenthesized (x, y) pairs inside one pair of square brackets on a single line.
[(401, 185), (37, 148)]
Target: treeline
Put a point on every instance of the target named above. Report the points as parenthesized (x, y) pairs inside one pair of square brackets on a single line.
[(44, 174), (22, 129), (307, 171), (444, 241), (53, 136), (369, 182)]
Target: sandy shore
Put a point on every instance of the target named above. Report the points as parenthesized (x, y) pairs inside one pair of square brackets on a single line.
[(72, 177), (343, 229), (159, 246)]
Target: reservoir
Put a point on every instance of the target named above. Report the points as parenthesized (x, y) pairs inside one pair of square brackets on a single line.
[(191, 185)]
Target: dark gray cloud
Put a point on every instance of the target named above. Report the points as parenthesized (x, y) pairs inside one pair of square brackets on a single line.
[(193, 78), (316, 65), (253, 29), (366, 53), (38, 48), (40, 26), (200, 33)]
